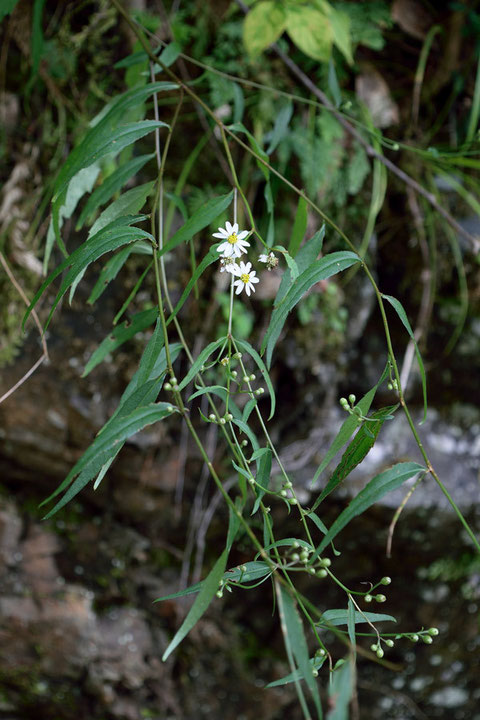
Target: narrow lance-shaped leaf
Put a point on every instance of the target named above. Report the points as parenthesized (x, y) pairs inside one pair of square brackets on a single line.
[(294, 635), (357, 450), (397, 305), (100, 142), (379, 486), (205, 596), (120, 335), (349, 426), (304, 258), (340, 617), (109, 239), (319, 270), (247, 348), (129, 203), (103, 447), (340, 691), (200, 219), (110, 185), (201, 360)]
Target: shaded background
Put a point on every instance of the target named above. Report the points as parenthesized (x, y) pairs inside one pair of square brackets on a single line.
[(79, 635)]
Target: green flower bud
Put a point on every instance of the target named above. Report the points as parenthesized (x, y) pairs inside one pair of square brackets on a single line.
[(315, 672), (167, 386), (283, 493), (234, 373), (246, 378), (380, 653), (295, 557), (212, 417), (322, 573), (238, 356), (385, 580), (229, 416), (325, 562), (351, 399), (244, 443), (219, 594), (293, 501), (368, 598), (380, 598), (414, 638), (311, 571), (344, 402), (252, 376), (433, 631), (173, 380), (374, 647), (427, 639), (389, 642), (222, 421)]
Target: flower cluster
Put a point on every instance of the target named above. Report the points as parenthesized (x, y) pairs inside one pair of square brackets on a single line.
[(232, 248)]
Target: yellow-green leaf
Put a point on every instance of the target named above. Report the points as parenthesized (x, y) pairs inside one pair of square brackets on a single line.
[(311, 31), (263, 26)]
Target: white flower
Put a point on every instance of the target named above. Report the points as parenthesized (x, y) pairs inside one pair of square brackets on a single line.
[(270, 260), (246, 278), (234, 244), (228, 264)]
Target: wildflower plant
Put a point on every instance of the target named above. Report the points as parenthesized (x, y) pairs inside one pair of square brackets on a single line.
[(162, 387)]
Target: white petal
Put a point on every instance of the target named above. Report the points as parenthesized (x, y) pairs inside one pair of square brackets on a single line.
[(222, 234), (254, 279), (240, 287), (247, 289), (242, 235), (248, 265), (235, 228), (229, 228)]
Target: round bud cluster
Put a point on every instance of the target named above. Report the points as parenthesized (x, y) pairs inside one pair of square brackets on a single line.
[(259, 391)]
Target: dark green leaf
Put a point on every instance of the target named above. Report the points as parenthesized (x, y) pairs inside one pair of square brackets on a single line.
[(340, 617), (357, 450), (247, 348), (201, 360), (304, 258), (379, 486), (319, 270), (120, 335), (299, 228), (130, 203), (397, 305), (104, 447), (205, 596), (110, 185)]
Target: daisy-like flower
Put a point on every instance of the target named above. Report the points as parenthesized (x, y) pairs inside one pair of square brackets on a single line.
[(234, 244), (270, 260), (228, 264), (246, 278)]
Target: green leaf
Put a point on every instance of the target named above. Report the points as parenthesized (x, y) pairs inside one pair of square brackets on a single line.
[(315, 662), (319, 270), (351, 626), (296, 643), (109, 272), (280, 128), (7, 7), (110, 238), (202, 217), (104, 447), (110, 185), (130, 203), (263, 26), (211, 257), (207, 593), (247, 431), (247, 348), (120, 335), (379, 486), (340, 691), (201, 360), (340, 24), (264, 469), (299, 227), (350, 425), (333, 85), (340, 617), (80, 184), (304, 258), (311, 31), (357, 450), (397, 305), (97, 144)]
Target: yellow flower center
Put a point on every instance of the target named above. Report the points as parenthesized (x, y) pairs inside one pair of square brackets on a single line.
[(245, 278), (232, 239)]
